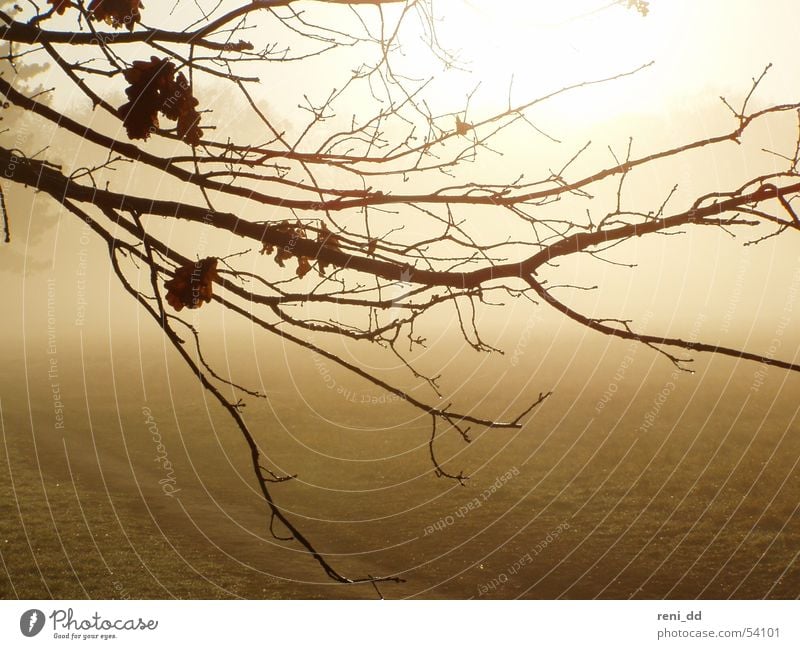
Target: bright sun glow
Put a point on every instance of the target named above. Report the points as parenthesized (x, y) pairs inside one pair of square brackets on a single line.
[(545, 46)]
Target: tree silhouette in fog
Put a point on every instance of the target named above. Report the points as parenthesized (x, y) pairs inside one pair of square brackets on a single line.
[(371, 226)]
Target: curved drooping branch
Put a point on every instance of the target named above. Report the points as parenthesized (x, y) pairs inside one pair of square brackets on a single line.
[(263, 475), (52, 181)]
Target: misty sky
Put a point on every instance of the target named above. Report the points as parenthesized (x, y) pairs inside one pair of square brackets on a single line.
[(701, 51)]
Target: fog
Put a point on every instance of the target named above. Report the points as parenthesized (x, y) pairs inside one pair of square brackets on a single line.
[(123, 477)]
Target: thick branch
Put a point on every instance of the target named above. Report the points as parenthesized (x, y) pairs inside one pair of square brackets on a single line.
[(52, 181)]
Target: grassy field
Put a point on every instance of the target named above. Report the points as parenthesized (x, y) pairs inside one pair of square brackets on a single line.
[(66, 536), (703, 502)]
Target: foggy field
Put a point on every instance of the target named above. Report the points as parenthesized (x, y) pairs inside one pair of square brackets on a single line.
[(703, 503)]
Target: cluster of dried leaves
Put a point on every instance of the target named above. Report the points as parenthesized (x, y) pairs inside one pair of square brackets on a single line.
[(297, 231), (191, 285), (462, 127), (642, 6), (117, 13), (155, 88)]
